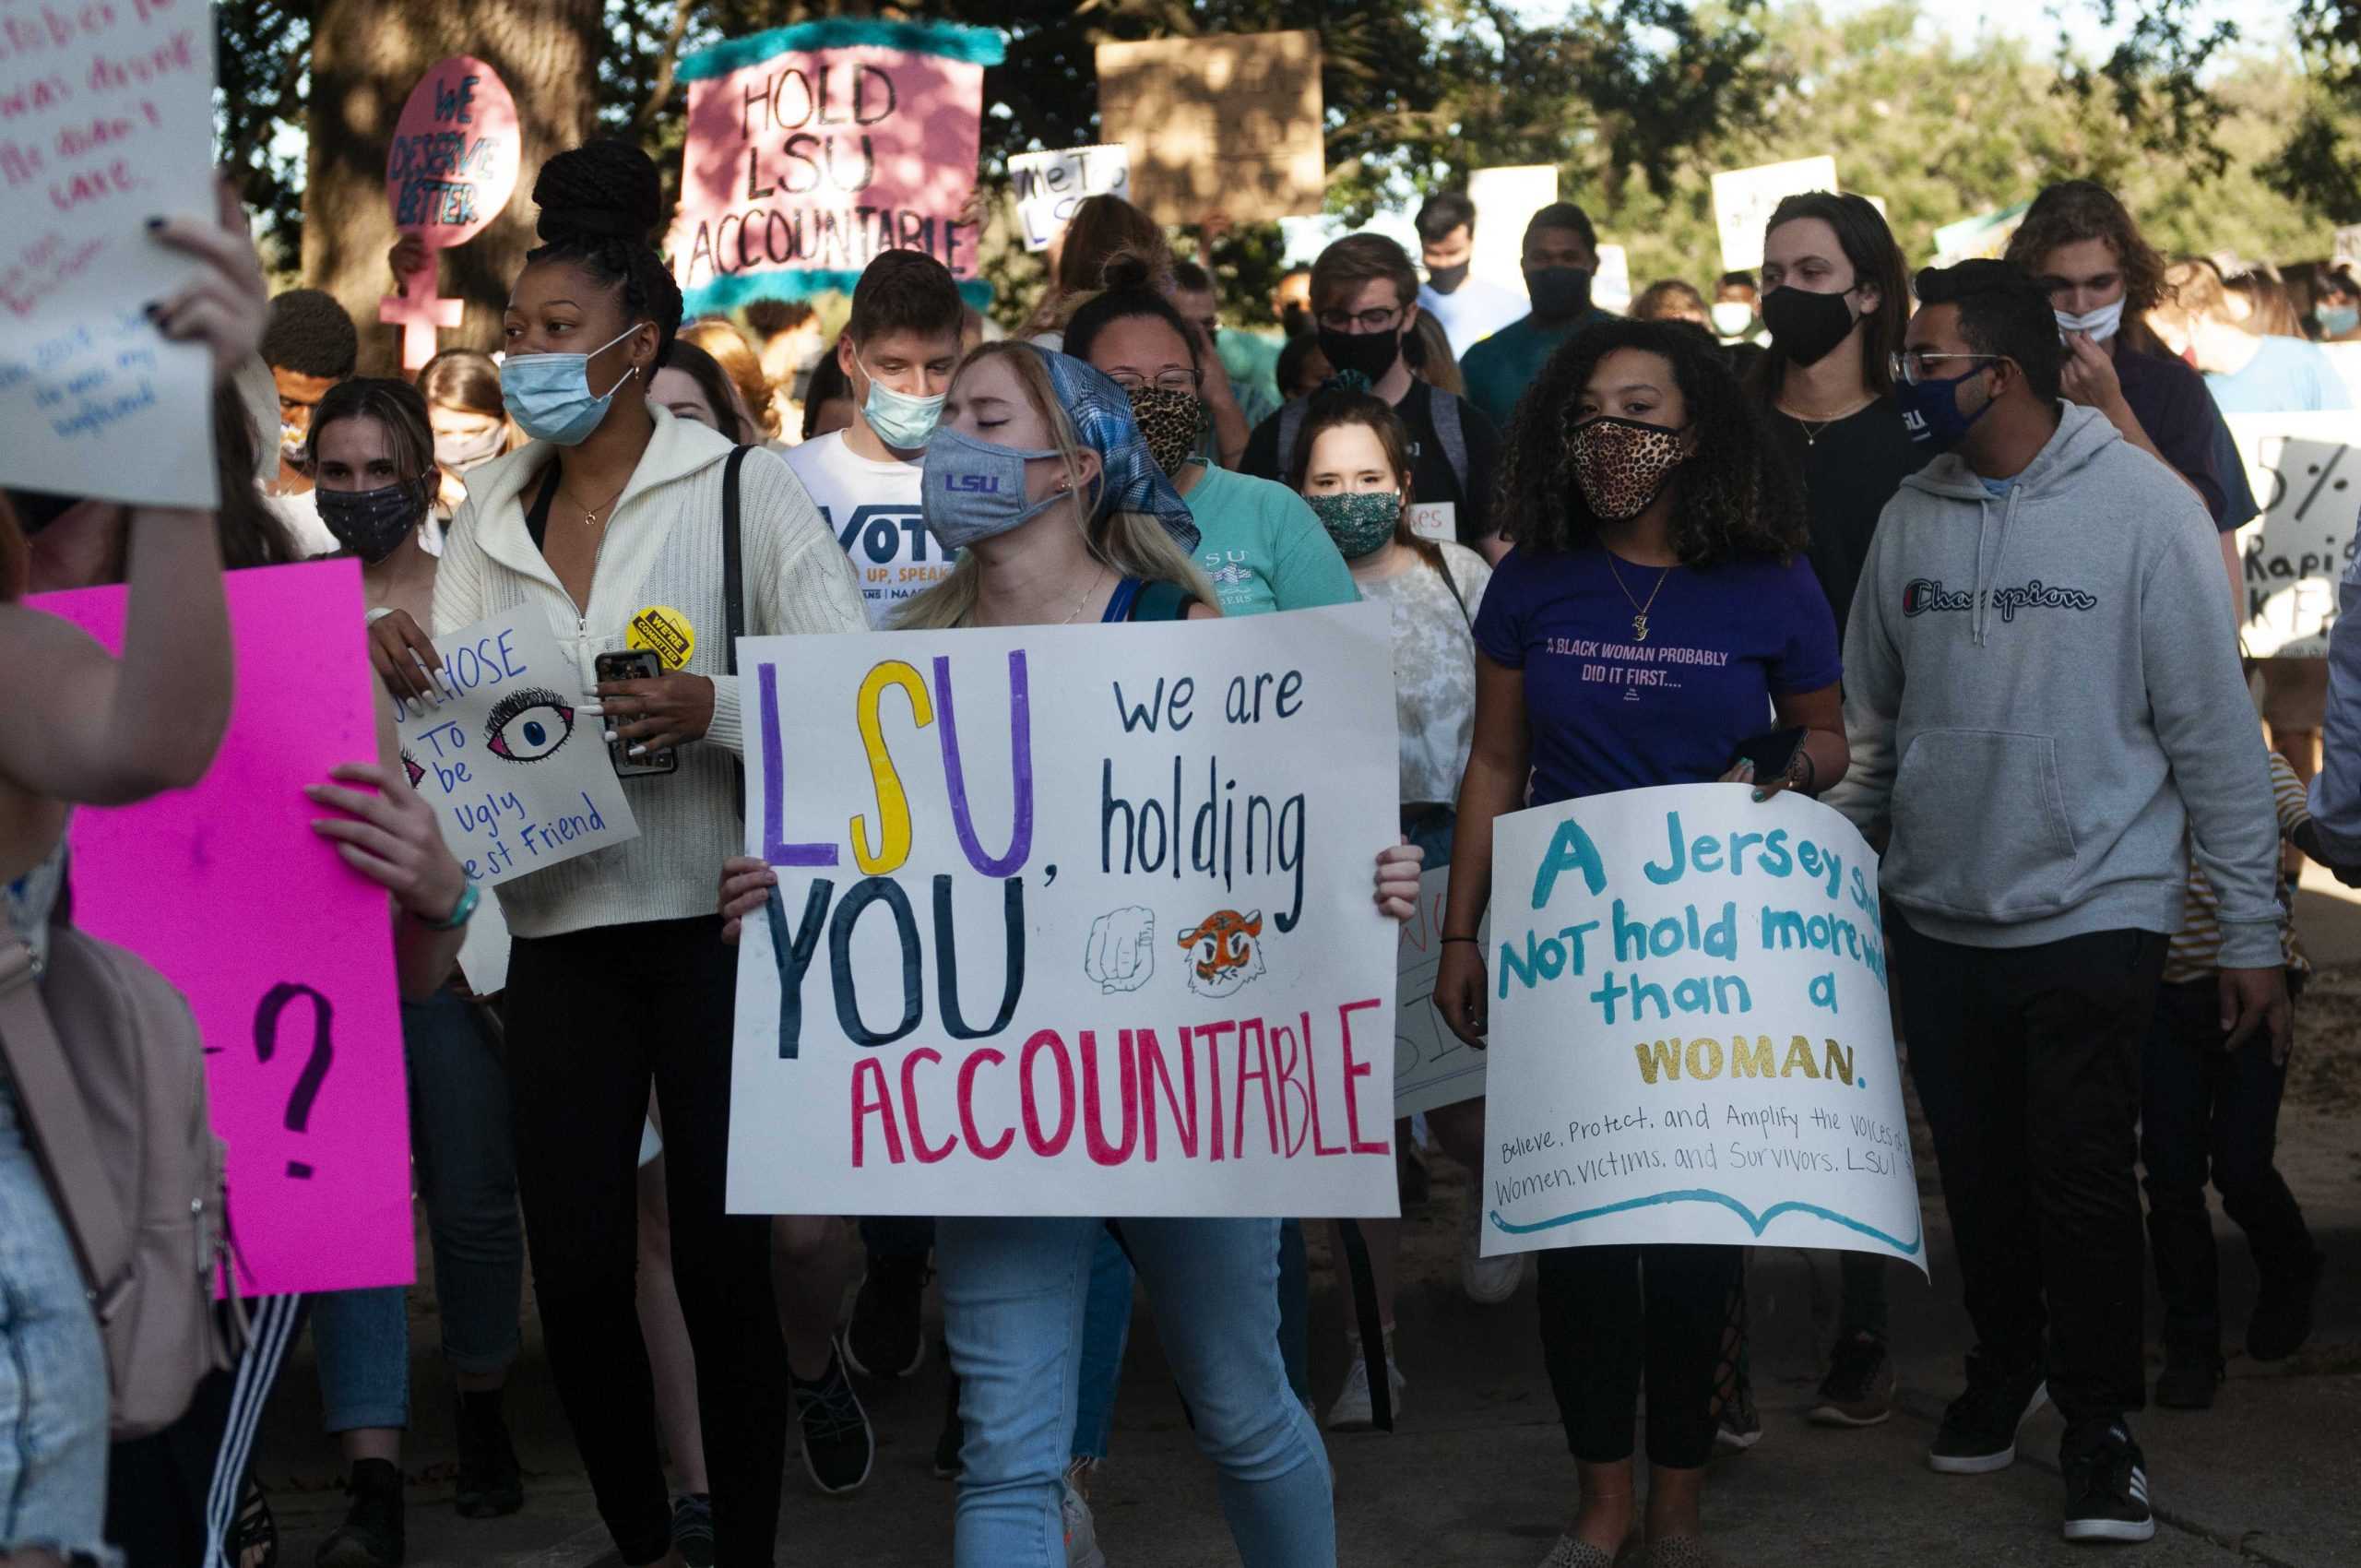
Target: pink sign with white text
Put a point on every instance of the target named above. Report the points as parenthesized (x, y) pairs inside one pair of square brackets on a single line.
[(285, 953)]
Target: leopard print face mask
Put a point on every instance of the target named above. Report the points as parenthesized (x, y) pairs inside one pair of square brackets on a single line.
[(1167, 424), (1621, 464)]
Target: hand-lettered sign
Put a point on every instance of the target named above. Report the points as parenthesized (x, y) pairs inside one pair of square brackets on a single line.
[(2306, 472), (517, 774), (284, 951), (1689, 1035), (1049, 185), (452, 167), (1432, 1066), (812, 149), (1069, 919), (1745, 198), (1229, 123), (106, 120)]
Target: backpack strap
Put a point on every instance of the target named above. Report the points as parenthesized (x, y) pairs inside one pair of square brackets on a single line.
[(61, 1128), (733, 583), (1290, 423), (1443, 408), (1443, 564)]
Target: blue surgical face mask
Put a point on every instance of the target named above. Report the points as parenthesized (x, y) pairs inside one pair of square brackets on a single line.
[(904, 423), (2337, 320), (975, 490), (1930, 411), (549, 396)]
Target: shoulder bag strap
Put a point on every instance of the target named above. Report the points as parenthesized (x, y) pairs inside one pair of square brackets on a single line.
[(1442, 407), (1443, 564), (1290, 422), (733, 583), (61, 1128)]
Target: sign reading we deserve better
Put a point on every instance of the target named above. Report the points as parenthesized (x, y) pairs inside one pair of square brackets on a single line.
[(1690, 1036), (2306, 474), (1069, 919), (518, 775), (106, 119), (812, 149)]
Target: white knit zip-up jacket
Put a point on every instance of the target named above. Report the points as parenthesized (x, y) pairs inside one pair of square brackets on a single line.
[(663, 547)]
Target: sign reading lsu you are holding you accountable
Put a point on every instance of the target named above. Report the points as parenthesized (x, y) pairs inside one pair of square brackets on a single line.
[(1069, 919), (1689, 1034), (812, 149)]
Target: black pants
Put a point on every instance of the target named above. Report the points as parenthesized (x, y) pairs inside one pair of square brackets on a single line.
[(2202, 1106), (1600, 1327), (2027, 1063), (591, 1017)]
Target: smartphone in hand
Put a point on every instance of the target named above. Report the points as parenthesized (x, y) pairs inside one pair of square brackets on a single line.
[(634, 664)]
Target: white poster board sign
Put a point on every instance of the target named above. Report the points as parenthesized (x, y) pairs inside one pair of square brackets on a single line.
[(1069, 919), (109, 121), (1745, 198), (1689, 1027), (2307, 477), (1432, 1065), (1611, 289), (517, 773), (1049, 185), (1506, 198)]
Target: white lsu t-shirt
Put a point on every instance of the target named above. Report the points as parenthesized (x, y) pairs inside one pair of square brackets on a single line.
[(873, 509)]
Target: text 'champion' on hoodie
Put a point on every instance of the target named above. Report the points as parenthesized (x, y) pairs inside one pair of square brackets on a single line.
[(2043, 693)]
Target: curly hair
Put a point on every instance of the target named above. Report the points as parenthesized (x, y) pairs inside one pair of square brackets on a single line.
[(309, 332), (1732, 498), (2084, 209), (598, 204)]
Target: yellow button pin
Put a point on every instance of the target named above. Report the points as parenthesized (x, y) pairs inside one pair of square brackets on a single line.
[(664, 631)]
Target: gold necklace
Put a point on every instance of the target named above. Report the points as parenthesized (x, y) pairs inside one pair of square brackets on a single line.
[(591, 516), (1639, 611), (1814, 429), (1086, 596)]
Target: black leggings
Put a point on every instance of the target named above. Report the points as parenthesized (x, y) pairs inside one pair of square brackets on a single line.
[(591, 1017), (1600, 1327)]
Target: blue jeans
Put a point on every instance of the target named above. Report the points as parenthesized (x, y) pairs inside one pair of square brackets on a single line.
[(1106, 1330), (467, 1173), (1012, 1295), (52, 1370)]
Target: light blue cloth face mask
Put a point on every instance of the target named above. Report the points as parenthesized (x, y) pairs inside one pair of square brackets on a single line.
[(549, 396), (902, 421)]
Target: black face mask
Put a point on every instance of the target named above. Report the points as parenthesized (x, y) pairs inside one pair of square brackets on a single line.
[(1557, 291), (1296, 320), (371, 523), (1367, 354), (1804, 326), (1447, 280)]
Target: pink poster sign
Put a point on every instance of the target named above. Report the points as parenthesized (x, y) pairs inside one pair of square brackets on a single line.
[(451, 168), (812, 149), (285, 953)]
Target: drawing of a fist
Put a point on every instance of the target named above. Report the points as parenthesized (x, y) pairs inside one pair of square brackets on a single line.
[(1121, 954)]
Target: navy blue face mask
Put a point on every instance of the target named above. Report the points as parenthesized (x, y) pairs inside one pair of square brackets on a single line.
[(1930, 409)]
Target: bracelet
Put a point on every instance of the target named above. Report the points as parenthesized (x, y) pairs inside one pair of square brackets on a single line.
[(461, 912), (1808, 784), (1471, 941)]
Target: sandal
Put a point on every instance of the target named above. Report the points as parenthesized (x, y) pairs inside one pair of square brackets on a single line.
[(252, 1539)]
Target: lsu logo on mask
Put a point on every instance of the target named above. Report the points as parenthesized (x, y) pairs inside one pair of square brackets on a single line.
[(984, 484)]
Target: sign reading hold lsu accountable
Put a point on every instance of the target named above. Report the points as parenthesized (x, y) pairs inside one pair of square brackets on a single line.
[(1069, 919), (1689, 1034)]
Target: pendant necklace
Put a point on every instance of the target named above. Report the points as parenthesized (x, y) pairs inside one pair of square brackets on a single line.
[(1639, 611), (1814, 429)]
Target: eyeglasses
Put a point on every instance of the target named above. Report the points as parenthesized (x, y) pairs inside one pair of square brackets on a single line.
[(1360, 321), (1184, 381), (1909, 366)]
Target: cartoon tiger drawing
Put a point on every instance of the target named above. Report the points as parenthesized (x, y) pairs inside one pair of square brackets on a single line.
[(1226, 952)]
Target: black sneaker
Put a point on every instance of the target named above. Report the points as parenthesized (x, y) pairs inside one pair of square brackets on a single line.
[(885, 1338), (947, 1442), (693, 1528), (371, 1536), (1859, 1389), (838, 1445), (2189, 1379), (2283, 1311), (1979, 1431), (491, 1484), (2106, 1486)]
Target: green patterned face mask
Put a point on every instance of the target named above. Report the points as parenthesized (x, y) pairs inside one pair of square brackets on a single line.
[(1360, 523)]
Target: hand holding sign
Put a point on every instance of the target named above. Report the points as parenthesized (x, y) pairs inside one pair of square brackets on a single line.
[(451, 168)]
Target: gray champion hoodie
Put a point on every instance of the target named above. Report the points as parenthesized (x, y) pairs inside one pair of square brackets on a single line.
[(2042, 693)]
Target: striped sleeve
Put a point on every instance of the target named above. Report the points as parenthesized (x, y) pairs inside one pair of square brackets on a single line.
[(2295, 810)]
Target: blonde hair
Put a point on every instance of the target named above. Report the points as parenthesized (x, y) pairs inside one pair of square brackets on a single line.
[(1130, 543), (2193, 289), (738, 362)]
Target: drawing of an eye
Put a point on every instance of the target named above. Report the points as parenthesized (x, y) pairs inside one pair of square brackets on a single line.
[(409, 766), (527, 725)]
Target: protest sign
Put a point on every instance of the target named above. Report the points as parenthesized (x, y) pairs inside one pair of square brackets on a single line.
[(2347, 358), (1984, 236), (1099, 939), (452, 167), (518, 778), (1049, 185), (2348, 242), (812, 149), (1745, 198), (106, 119), (2307, 479), (1506, 199), (1690, 1036), (285, 953), (1227, 123), (1611, 289), (1432, 1065)]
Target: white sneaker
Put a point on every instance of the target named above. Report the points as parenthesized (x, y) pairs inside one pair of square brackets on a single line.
[(1082, 1531), (1488, 1281), (1353, 1411)]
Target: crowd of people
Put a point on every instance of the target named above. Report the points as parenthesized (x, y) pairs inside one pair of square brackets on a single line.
[(1830, 477)]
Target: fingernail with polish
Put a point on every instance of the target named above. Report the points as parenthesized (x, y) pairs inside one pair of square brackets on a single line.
[(610, 737), (153, 311), (637, 751), (154, 224)]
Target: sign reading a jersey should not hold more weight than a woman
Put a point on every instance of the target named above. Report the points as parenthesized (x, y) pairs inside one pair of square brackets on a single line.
[(1070, 920), (1689, 1035)]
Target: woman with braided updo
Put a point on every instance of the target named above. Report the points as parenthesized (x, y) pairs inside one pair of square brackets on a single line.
[(618, 974)]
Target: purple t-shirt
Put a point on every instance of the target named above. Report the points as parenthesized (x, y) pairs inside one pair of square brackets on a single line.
[(1609, 711)]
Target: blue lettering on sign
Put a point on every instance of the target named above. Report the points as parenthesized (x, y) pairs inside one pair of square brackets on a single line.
[(883, 534)]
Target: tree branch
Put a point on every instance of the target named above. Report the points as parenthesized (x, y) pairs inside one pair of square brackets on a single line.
[(667, 64)]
